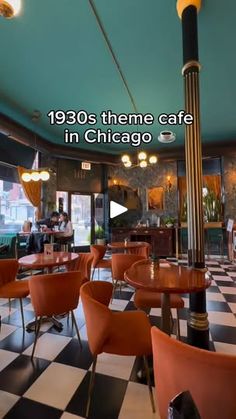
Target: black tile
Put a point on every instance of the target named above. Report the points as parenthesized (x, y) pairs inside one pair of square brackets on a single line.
[(213, 288), (67, 330), (123, 295), (226, 334), (183, 313), (138, 372), (230, 298), (184, 339), (130, 306), (155, 321), (72, 355), (218, 273), (20, 374), (15, 318), (28, 409), (17, 341), (218, 306), (225, 283), (107, 397)]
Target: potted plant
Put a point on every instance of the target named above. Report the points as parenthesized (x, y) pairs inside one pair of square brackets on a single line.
[(100, 235), (169, 221)]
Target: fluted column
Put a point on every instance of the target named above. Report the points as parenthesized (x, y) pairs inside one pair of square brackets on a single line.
[(198, 327)]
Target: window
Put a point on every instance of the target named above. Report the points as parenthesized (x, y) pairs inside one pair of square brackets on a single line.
[(14, 207)]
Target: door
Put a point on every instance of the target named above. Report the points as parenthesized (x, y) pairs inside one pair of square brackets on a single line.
[(81, 218)]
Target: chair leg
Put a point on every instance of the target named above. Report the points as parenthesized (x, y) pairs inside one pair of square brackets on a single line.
[(22, 313), (171, 320), (37, 329), (74, 323), (91, 384), (93, 274), (99, 274), (149, 383), (9, 304), (178, 325)]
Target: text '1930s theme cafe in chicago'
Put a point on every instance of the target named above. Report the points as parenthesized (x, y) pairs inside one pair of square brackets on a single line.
[(117, 209)]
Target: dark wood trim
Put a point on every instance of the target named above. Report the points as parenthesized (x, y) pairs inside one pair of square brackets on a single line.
[(17, 132)]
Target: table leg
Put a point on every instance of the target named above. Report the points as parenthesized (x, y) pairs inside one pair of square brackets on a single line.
[(165, 313)]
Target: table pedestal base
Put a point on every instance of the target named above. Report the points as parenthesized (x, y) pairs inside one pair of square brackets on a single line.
[(30, 327)]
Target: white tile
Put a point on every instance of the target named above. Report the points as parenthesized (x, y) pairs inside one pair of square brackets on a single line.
[(215, 296), (213, 283), (137, 404), (155, 312), (226, 348), (115, 365), (222, 278), (29, 307), (186, 302), (48, 346), (232, 274), (228, 290), (221, 318), (83, 333), (6, 330), (7, 401), (6, 357), (56, 385), (4, 311), (215, 269), (183, 327), (211, 262), (118, 305), (4, 301), (233, 307), (67, 415), (79, 312)]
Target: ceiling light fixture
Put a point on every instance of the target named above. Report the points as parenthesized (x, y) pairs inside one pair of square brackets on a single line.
[(36, 175), (10, 8), (142, 160)]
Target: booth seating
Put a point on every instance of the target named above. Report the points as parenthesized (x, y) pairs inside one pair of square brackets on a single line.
[(7, 246)]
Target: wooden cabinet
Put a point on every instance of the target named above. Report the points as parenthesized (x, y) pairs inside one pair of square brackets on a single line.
[(161, 239)]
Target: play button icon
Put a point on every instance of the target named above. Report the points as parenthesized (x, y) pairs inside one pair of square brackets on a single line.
[(116, 209)]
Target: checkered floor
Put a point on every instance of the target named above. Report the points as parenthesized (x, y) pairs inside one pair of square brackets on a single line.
[(55, 385)]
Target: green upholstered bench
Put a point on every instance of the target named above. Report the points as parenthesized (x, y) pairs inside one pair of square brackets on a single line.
[(9, 240)]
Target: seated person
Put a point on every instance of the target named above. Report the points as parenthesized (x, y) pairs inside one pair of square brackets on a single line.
[(50, 222), (65, 232)]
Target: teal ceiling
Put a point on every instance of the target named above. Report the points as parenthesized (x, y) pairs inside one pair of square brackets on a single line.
[(53, 56)]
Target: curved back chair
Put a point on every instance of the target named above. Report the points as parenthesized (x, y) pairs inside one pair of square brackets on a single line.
[(120, 262), (84, 265), (120, 333), (9, 287), (98, 251), (54, 294), (210, 377), (143, 250)]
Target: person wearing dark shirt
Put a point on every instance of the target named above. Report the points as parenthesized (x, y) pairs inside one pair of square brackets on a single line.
[(49, 222)]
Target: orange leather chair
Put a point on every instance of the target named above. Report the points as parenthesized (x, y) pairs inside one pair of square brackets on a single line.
[(144, 299), (9, 287), (210, 377), (120, 262), (143, 250), (122, 333), (98, 251), (54, 294), (83, 264)]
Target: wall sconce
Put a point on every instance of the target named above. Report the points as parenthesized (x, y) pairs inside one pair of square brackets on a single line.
[(9, 8), (168, 184)]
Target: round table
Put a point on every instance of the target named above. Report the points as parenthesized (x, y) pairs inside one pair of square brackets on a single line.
[(124, 245), (167, 279), (41, 261)]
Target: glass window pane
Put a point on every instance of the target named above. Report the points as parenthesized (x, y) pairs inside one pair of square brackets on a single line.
[(81, 219)]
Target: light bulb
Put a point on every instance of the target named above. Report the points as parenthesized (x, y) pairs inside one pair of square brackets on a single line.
[(128, 164), (142, 155), (10, 8), (125, 158), (153, 159), (143, 163), (44, 175), (35, 176), (26, 177)]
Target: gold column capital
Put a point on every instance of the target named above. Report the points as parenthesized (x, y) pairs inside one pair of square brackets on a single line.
[(181, 5)]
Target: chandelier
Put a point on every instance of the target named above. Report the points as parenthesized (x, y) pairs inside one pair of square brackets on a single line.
[(9, 8), (143, 160), (35, 175)]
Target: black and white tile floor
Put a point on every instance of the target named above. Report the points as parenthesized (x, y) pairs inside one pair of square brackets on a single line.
[(55, 385)]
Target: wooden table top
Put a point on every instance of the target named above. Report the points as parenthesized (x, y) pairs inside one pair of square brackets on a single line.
[(123, 245), (167, 278), (40, 260)]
